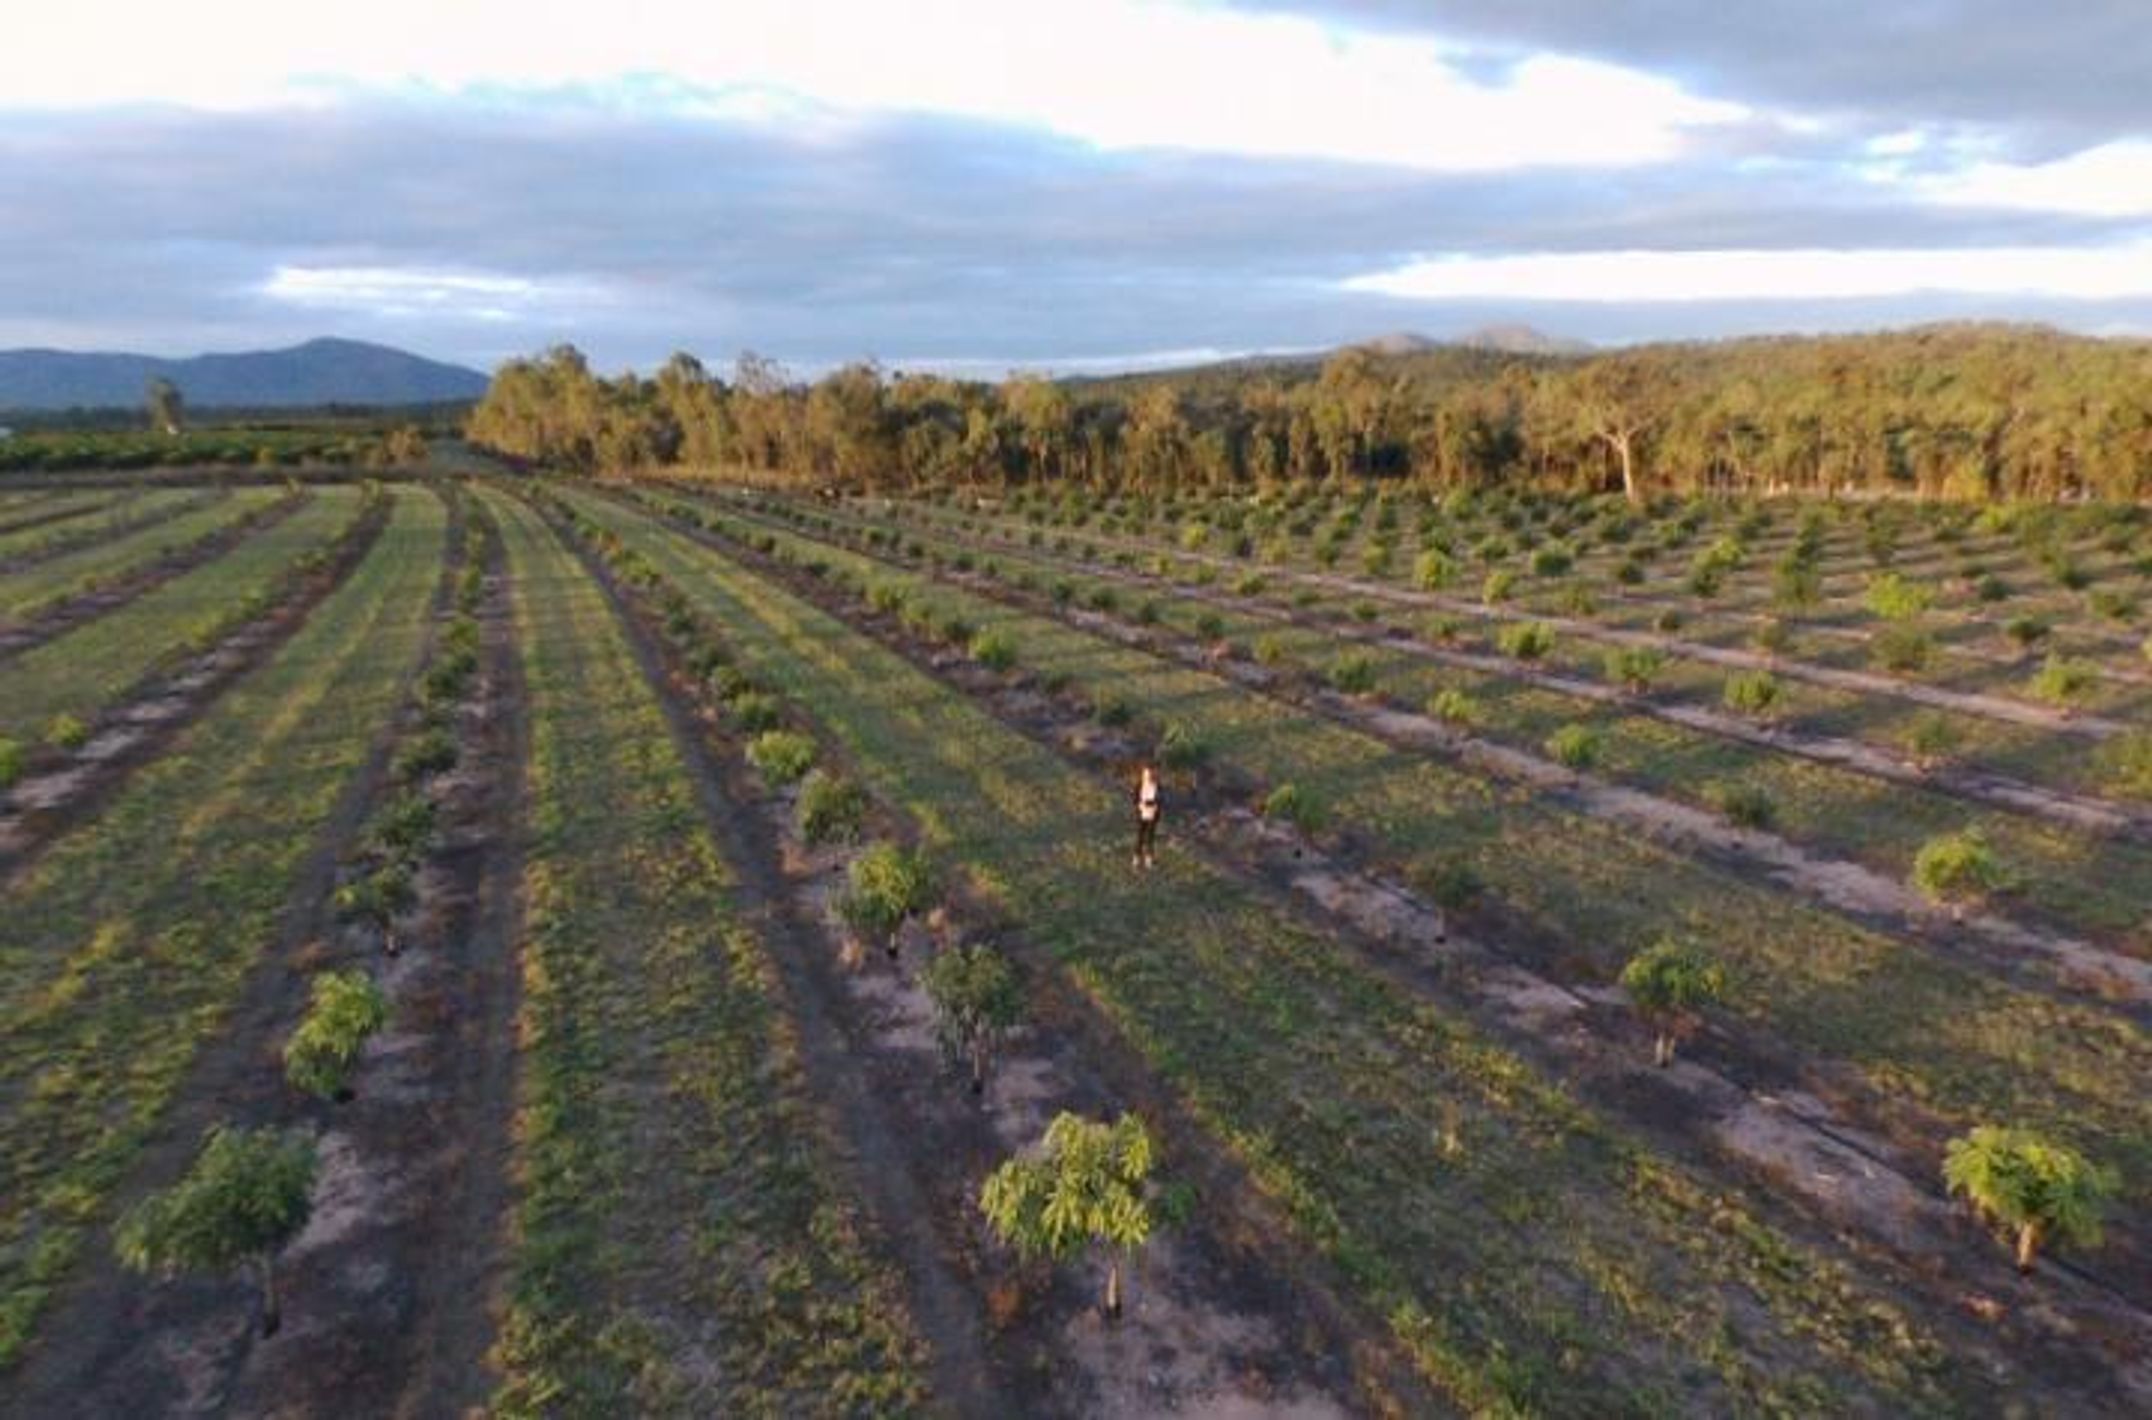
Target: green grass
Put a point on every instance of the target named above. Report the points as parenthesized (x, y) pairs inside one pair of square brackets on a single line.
[(23, 594), (1545, 1262), (83, 670), (2081, 882), (679, 1244), (1912, 1022), (131, 937)]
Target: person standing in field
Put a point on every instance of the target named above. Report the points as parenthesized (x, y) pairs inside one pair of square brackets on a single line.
[(1146, 817)]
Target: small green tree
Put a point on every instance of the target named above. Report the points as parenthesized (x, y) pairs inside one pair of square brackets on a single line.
[(976, 1000), (1575, 746), (1957, 868), (2035, 1189), (2064, 681), (1671, 983), (345, 1009), (781, 756), (1089, 1185), (1754, 693), (884, 885), (246, 1196), (1893, 598), (1634, 668), (1931, 738), (377, 899)]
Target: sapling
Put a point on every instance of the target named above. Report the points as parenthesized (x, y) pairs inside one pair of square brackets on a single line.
[(246, 1196)]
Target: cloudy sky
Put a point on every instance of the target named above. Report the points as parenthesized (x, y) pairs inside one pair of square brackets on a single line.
[(979, 184)]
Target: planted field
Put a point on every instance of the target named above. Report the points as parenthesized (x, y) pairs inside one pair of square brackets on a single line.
[(1412, 1151), (129, 939), (1526, 1012), (679, 1243), (82, 671)]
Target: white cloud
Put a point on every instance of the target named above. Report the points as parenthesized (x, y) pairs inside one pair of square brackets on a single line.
[(398, 291), (1121, 74), (2096, 273), (2111, 180)]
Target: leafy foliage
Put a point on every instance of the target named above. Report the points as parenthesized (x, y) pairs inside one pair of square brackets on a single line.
[(1088, 1185), (831, 809), (2035, 1188), (781, 756), (246, 1195), (884, 885), (1958, 867), (1670, 982), (346, 1008), (977, 1000)]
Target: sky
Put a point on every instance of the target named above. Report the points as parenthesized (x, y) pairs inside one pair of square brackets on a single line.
[(985, 185)]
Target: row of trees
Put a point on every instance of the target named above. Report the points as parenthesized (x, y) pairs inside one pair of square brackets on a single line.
[(1963, 411)]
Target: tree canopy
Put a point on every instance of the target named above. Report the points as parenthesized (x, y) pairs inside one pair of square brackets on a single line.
[(1966, 411)]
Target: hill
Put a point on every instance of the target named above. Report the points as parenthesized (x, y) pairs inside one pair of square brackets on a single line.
[(319, 372)]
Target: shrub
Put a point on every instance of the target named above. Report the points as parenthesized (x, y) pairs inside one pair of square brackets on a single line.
[(1210, 626), (1744, 805), (1526, 640), (1112, 711), (1668, 621), (1575, 746), (1902, 648), (2030, 1187), (976, 1000), (1893, 598), (403, 827), (1552, 561), (1930, 738), (2026, 631), (781, 756), (1957, 867), (995, 649), (1180, 747), (883, 886), (66, 731), (1454, 706), (1633, 667), (1443, 630), (1670, 984), (1353, 673), (429, 752), (2064, 681), (1991, 588), (754, 711), (345, 1008), (246, 1195), (11, 762), (1450, 883), (955, 630), (2126, 762), (1365, 611), (887, 598), (1752, 693), (1497, 587), (830, 809), (1795, 582), (1433, 570), (1249, 584), (1629, 572), (1294, 805)]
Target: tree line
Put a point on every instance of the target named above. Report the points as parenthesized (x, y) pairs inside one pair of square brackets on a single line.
[(1966, 411)]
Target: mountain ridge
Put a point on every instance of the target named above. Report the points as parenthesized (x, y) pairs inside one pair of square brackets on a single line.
[(325, 370)]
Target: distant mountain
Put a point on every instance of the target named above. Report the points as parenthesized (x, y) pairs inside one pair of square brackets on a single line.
[(318, 372), (1399, 342), (1522, 340)]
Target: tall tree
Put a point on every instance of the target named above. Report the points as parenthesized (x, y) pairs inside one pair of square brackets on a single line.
[(167, 409)]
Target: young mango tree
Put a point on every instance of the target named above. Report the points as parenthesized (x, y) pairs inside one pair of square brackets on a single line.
[(1088, 1185), (2034, 1188), (884, 886), (247, 1195), (377, 900), (346, 1008), (976, 1000), (1671, 983)]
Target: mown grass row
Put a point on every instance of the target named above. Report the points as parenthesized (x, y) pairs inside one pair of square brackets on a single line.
[(24, 594), (1916, 1025), (83, 671), (2094, 885), (40, 525), (1527, 1255), (679, 1244), (127, 942)]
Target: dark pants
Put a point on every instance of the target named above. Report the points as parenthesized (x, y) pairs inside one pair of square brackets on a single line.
[(1146, 836)]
